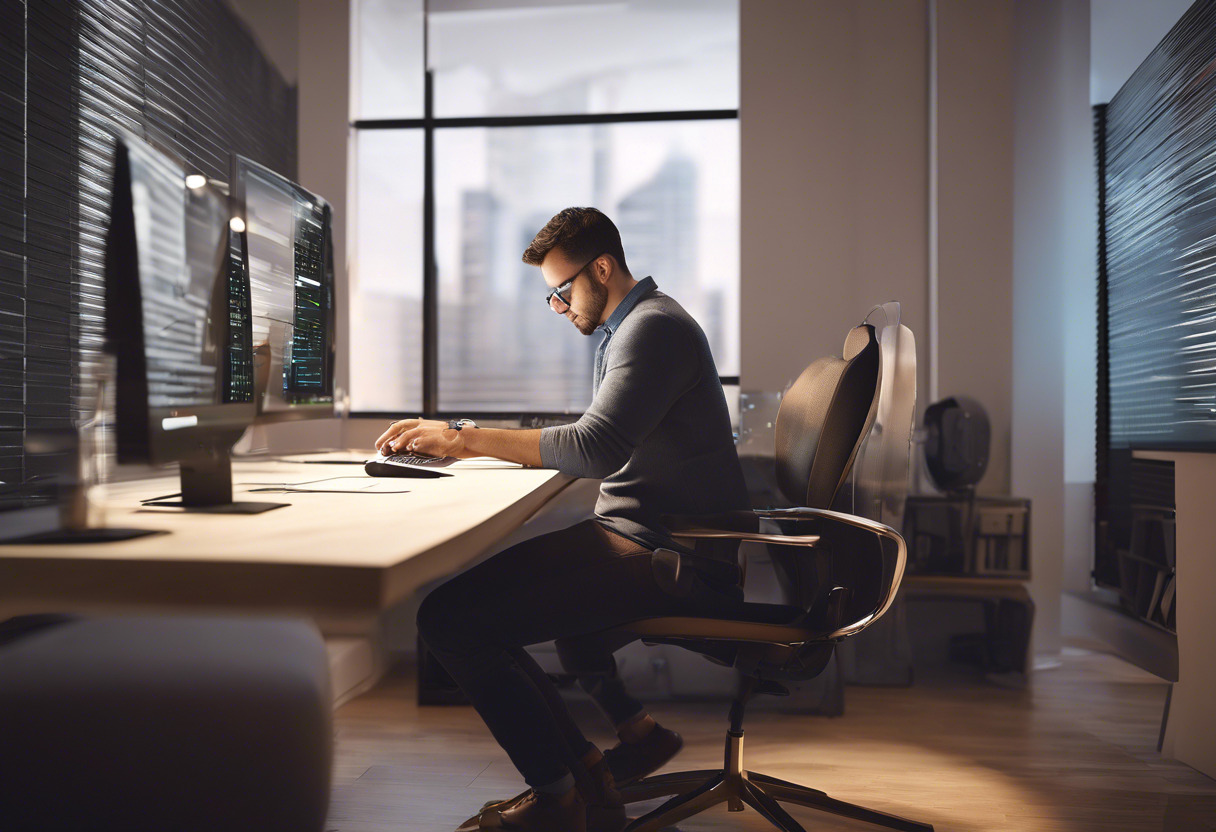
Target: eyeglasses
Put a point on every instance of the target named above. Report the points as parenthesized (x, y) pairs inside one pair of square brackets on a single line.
[(557, 300)]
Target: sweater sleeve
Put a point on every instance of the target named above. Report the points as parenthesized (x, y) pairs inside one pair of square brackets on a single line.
[(650, 365)]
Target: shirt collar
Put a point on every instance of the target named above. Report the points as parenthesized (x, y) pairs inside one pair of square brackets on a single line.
[(643, 287)]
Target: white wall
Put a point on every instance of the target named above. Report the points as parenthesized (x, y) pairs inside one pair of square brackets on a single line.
[(1123, 32), (1053, 265), (975, 214), (834, 116), (834, 176), (276, 26)]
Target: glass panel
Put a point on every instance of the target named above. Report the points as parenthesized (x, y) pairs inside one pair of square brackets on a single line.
[(386, 272), (386, 60), (673, 190), (528, 57)]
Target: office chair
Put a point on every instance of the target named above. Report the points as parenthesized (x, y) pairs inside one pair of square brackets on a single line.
[(841, 569)]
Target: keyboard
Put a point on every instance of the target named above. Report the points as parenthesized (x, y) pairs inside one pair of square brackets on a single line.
[(411, 459), (407, 465)]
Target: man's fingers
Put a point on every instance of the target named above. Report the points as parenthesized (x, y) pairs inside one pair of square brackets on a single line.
[(403, 438), (394, 430), (384, 437), (425, 445)]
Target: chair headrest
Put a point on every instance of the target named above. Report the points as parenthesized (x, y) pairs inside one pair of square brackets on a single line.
[(823, 419)]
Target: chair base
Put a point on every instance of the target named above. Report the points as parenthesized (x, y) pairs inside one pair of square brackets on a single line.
[(696, 791)]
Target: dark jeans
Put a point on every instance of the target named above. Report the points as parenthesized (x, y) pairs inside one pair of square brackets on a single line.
[(565, 585), (590, 658)]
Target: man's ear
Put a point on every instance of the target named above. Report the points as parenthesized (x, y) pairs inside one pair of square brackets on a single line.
[(604, 267)]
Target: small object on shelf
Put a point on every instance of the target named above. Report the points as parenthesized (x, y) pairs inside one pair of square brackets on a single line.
[(968, 535), (956, 443)]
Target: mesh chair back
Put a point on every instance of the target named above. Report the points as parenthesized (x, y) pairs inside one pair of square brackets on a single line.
[(823, 419), (879, 478), (849, 414)]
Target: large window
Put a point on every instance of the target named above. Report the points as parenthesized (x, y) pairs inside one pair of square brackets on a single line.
[(533, 106)]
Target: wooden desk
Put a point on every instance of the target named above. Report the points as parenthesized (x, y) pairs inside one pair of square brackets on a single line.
[(329, 556)]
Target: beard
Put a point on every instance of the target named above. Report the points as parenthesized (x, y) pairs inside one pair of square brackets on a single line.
[(587, 323)]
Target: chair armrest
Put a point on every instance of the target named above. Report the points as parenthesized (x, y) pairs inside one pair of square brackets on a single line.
[(732, 525), (744, 526), (879, 529), (831, 516)]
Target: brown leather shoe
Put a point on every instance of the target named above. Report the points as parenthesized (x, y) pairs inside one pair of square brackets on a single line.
[(631, 761), (473, 822), (536, 812), (605, 806)]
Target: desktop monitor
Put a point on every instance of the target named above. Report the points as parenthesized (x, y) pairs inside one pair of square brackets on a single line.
[(177, 323), (289, 248)]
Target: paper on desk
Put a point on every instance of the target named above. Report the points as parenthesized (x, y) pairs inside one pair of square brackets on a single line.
[(328, 485)]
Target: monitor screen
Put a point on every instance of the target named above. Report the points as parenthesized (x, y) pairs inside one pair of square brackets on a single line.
[(290, 261), (181, 242), (238, 377), (169, 306)]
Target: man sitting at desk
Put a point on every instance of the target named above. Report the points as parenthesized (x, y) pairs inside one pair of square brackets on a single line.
[(658, 434)]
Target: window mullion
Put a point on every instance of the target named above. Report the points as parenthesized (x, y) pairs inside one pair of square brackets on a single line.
[(430, 270)]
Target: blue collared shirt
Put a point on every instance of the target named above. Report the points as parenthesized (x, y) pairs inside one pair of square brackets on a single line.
[(643, 287)]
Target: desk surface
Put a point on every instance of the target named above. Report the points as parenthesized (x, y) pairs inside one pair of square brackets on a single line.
[(325, 551)]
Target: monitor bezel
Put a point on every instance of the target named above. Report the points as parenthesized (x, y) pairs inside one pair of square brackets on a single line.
[(295, 412), (140, 433)]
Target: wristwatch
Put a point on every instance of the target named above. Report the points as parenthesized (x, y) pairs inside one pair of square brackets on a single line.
[(458, 424)]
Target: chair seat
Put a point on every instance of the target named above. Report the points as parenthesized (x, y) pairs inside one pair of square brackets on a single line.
[(747, 621)]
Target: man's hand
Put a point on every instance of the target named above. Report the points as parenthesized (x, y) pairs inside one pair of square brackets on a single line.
[(390, 436), (430, 437), (427, 437)]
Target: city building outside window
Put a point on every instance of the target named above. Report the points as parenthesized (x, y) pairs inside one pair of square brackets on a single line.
[(534, 106)]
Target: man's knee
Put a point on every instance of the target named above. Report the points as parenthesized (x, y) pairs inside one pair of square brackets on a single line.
[(587, 657), (443, 622)]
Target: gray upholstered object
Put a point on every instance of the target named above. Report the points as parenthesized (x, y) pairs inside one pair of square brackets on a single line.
[(165, 723)]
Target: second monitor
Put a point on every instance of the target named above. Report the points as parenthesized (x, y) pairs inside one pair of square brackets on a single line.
[(289, 252)]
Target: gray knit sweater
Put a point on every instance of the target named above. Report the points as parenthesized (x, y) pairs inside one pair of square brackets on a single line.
[(658, 432)]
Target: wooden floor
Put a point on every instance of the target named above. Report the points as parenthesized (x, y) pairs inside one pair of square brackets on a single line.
[(1074, 751)]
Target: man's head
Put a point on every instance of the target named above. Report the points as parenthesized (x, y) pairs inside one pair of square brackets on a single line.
[(579, 253)]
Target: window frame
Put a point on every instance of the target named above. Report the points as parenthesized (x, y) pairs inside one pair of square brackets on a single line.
[(429, 124)]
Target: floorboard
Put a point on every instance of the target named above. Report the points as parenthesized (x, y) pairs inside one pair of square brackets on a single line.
[(1074, 751)]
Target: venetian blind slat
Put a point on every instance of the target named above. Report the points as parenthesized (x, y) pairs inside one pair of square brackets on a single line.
[(1160, 168), (12, 239)]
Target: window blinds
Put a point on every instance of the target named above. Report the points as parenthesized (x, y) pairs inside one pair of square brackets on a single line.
[(1160, 236), (184, 74)]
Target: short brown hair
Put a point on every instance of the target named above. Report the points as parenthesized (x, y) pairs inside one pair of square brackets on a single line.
[(579, 234)]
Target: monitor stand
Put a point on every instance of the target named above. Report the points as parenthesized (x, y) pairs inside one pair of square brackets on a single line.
[(207, 488), (102, 534)]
